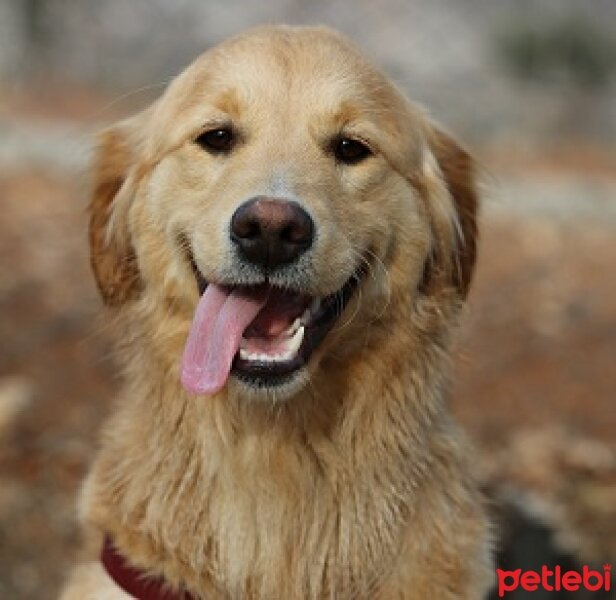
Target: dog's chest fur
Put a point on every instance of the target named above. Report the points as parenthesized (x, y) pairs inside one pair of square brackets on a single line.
[(252, 500)]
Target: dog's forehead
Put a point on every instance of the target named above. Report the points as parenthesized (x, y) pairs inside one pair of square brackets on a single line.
[(286, 53), (313, 67)]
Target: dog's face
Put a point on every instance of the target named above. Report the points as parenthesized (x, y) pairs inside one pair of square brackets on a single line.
[(276, 197)]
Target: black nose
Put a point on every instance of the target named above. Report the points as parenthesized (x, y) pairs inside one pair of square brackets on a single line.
[(270, 232)]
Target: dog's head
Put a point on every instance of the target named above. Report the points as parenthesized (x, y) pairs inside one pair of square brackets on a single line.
[(279, 195)]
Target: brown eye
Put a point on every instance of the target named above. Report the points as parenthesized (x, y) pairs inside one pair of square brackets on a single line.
[(216, 141), (349, 151)]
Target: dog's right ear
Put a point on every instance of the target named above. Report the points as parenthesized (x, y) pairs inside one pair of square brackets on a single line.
[(112, 257)]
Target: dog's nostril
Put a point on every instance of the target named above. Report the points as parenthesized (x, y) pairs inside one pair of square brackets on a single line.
[(294, 234), (246, 228), (271, 232)]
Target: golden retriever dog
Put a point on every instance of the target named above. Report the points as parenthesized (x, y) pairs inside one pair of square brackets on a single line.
[(286, 243)]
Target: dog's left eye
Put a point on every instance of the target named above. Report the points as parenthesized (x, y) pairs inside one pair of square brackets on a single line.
[(217, 141), (350, 151)]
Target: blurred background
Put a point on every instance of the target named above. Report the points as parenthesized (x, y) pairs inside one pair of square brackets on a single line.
[(530, 87)]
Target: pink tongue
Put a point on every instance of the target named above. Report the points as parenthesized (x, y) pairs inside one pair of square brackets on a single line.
[(214, 338)]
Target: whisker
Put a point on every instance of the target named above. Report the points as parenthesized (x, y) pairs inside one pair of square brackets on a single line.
[(130, 94)]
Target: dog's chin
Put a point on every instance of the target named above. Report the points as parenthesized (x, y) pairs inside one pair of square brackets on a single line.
[(270, 390)]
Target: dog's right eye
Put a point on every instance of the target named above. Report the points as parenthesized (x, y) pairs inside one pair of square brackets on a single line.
[(216, 141), (350, 151)]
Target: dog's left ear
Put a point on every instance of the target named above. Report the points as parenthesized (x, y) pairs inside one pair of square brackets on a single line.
[(457, 168)]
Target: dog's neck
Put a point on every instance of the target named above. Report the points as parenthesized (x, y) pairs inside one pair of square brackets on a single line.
[(217, 489)]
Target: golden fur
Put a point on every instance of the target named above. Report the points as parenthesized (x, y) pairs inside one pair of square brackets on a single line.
[(354, 482)]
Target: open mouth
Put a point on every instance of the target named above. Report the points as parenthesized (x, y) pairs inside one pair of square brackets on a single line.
[(262, 334)]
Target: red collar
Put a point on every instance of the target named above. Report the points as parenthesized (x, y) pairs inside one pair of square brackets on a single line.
[(135, 582)]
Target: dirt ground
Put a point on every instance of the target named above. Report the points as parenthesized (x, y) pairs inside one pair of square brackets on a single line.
[(535, 370)]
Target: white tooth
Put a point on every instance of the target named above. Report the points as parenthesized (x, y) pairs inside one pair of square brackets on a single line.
[(294, 343), (247, 355), (291, 329), (292, 346), (305, 318)]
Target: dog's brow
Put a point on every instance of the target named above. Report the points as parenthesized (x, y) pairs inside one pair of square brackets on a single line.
[(228, 102)]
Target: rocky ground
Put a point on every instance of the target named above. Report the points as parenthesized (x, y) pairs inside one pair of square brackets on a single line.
[(535, 374)]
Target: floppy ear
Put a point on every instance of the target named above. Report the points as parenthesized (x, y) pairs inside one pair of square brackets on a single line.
[(458, 172), (111, 255)]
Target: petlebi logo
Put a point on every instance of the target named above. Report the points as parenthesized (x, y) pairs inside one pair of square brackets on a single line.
[(554, 580)]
